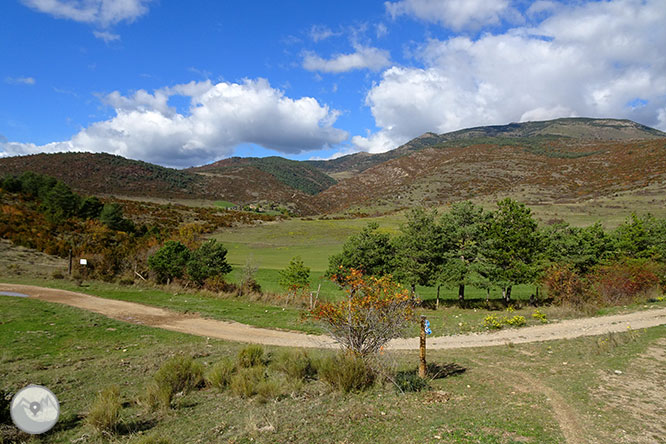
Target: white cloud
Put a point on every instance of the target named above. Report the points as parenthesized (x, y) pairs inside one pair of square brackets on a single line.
[(106, 36), (594, 60), (363, 57), (20, 80), (320, 32), (102, 14), (220, 117), (454, 14), (98, 12)]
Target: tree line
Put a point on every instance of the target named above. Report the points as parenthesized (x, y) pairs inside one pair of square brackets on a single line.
[(470, 246)]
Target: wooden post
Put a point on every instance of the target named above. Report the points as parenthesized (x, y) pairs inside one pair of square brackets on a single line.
[(422, 353), (69, 270)]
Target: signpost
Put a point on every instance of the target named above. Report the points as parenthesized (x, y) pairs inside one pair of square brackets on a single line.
[(425, 330)]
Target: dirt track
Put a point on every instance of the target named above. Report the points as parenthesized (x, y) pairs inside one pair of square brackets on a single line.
[(233, 331)]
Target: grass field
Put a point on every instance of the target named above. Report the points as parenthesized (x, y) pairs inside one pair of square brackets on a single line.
[(599, 389)]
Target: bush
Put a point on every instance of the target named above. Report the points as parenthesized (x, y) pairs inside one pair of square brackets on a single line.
[(178, 374), (104, 415), (245, 381), (295, 364), (169, 261), (540, 316), (625, 282), (220, 375), (516, 321), (410, 382), (251, 356), (346, 372), (565, 286), (492, 322), (272, 388)]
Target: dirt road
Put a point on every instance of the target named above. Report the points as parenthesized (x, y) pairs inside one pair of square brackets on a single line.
[(234, 331)]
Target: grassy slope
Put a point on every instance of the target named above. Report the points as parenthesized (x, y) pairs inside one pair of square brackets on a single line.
[(496, 401)]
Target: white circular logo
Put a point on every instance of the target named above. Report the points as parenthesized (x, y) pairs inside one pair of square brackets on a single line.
[(35, 409)]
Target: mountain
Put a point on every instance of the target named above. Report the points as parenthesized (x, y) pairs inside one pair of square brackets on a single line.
[(297, 175), (527, 132), (106, 174), (556, 160)]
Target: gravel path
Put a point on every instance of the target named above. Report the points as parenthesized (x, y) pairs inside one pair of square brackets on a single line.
[(234, 331)]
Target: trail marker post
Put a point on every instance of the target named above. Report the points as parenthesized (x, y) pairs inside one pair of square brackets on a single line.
[(422, 352)]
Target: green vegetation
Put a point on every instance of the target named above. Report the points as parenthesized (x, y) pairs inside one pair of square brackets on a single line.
[(296, 276), (224, 204), (508, 394)]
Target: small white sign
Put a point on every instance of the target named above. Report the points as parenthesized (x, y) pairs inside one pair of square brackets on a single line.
[(83, 261)]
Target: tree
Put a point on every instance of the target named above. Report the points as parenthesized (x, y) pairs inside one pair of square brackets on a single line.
[(376, 311), (369, 251), (296, 277), (207, 261), (581, 248), (112, 216), (169, 261), (60, 202), (641, 237), (90, 208), (418, 249), (512, 245), (463, 228)]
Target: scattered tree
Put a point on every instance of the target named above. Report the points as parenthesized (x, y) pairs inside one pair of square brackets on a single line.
[(369, 251), (296, 277), (169, 261), (208, 261)]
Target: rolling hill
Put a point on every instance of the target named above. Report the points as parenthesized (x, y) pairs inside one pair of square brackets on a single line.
[(557, 160)]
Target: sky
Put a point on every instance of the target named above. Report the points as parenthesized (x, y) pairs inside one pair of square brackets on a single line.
[(182, 84)]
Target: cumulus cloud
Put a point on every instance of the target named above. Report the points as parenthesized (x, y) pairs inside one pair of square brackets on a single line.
[(100, 13), (20, 80), (363, 57), (454, 14), (221, 116), (597, 59)]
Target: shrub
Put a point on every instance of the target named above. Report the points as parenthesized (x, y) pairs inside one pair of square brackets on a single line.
[(296, 276), (625, 282), (492, 322), (375, 311), (346, 372), (251, 356), (410, 381), (220, 375), (540, 316), (295, 364), (245, 381), (516, 321), (272, 388), (565, 286), (104, 415), (178, 374)]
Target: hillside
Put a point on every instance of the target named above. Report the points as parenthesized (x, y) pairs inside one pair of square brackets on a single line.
[(526, 133), (558, 160), (554, 170), (297, 175), (106, 174)]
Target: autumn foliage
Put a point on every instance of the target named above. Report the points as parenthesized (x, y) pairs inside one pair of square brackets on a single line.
[(375, 311)]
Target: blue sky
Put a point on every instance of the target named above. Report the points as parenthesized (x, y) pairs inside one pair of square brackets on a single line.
[(187, 83)]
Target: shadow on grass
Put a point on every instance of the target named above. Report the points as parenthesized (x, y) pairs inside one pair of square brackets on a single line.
[(483, 304), (136, 425)]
